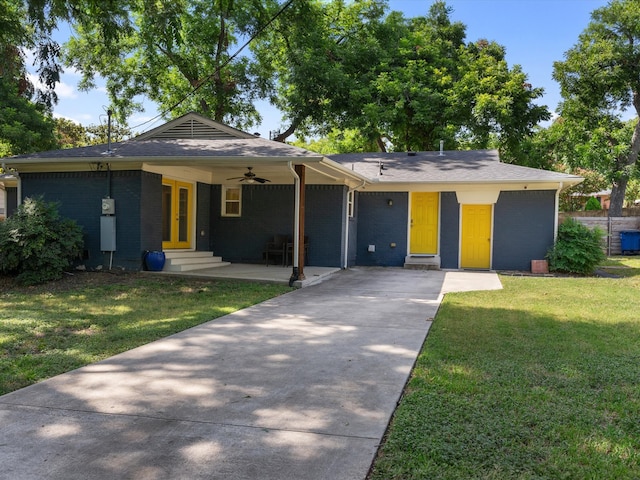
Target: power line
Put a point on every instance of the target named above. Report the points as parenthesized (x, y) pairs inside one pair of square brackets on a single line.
[(218, 68)]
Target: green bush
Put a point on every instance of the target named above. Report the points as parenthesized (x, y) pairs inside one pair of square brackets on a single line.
[(36, 244), (578, 249), (592, 204)]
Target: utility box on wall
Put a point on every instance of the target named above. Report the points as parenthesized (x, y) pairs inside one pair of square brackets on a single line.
[(107, 233), (108, 206)]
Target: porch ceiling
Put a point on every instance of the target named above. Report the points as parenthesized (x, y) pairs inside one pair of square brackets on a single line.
[(277, 171), (218, 169)]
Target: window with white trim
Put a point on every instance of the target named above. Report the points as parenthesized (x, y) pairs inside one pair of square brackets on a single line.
[(231, 201)]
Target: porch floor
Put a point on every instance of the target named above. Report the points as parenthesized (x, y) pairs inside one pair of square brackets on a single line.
[(257, 272)]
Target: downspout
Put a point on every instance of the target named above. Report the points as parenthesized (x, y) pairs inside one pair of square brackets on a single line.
[(18, 189), (346, 225), (555, 222), (295, 275)]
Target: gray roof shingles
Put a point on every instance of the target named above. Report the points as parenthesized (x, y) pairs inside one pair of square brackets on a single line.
[(459, 166), (453, 166), (180, 148)]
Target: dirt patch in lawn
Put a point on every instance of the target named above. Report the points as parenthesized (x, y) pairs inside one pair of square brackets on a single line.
[(72, 281)]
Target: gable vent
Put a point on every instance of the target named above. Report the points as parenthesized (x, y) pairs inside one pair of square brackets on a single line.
[(193, 129)]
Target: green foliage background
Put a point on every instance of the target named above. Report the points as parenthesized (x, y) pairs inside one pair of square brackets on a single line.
[(36, 244)]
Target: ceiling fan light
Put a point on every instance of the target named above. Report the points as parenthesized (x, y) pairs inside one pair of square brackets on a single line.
[(250, 180)]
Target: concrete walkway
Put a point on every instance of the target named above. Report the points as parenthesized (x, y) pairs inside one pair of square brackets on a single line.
[(258, 273), (299, 387)]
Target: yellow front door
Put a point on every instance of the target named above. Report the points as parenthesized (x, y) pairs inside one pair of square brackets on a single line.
[(424, 223), (177, 199), (475, 249)]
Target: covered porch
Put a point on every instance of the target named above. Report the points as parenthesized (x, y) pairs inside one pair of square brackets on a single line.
[(256, 273)]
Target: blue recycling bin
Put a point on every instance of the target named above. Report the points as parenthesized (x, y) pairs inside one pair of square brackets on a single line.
[(630, 241)]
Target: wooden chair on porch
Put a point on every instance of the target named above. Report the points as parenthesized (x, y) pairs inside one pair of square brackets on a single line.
[(276, 247), (289, 253)]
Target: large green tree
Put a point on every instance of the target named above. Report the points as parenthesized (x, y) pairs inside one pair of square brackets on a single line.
[(600, 80), (327, 65), (404, 83), (325, 56), (25, 120), (178, 54), (25, 127)]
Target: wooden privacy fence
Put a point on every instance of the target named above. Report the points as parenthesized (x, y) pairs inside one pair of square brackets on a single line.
[(612, 226)]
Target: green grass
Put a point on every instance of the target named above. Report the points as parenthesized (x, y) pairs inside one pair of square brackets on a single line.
[(51, 329), (540, 380)]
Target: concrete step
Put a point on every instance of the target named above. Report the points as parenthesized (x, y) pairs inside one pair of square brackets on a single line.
[(191, 267), (184, 261), (186, 254), (422, 262)]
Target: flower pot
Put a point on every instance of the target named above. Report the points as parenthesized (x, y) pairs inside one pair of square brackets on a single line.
[(539, 266), (154, 261)]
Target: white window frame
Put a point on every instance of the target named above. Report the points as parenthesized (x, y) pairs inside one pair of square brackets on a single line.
[(225, 201)]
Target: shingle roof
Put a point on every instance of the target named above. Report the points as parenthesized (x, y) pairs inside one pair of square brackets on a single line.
[(180, 148), (191, 135), (459, 166), (197, 140)]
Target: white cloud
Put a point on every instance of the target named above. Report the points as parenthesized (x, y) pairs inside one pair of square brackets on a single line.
[(81, 118), (64, 90)]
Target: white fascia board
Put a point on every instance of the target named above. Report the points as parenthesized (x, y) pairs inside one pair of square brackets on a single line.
[(480, 185), (345, 172)]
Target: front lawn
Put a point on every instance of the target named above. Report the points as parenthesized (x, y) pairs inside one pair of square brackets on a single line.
[(539, 380), (53, 328)]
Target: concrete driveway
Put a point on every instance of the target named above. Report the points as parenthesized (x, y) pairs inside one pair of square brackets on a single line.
[(299, 387)]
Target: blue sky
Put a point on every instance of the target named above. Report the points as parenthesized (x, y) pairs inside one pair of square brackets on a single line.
[(535, 33)]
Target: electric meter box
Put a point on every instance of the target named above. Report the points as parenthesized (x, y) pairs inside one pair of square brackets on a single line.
[(107, 234), (108, 206)]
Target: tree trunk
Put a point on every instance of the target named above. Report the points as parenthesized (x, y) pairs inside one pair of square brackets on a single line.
[(617, 196), (620, 185), (288, 132)]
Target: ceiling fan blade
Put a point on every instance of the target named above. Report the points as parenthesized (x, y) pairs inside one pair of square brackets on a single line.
[(249, 177)]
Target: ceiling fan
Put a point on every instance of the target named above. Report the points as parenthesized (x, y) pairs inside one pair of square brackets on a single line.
[(249, 177)]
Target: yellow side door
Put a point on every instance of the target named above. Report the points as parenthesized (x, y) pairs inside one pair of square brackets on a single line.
[(424, 223), (475, 248), (177, 210)]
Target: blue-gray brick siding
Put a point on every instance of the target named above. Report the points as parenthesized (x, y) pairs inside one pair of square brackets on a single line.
[(150, 212), (268, 210), (523, 228), (382, 225), (449, 230), (325, 218), (137, 197), (203, 216), (12, 200)]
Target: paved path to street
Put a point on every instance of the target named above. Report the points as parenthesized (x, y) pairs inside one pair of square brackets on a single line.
[(299, 387)]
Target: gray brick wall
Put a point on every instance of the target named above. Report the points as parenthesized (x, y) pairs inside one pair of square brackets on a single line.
[(449, 230), (523, 228), (79, 195), (268, 210), (382, 225)]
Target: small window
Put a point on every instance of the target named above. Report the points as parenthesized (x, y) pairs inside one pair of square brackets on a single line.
[(350, 196), (231, 201)]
